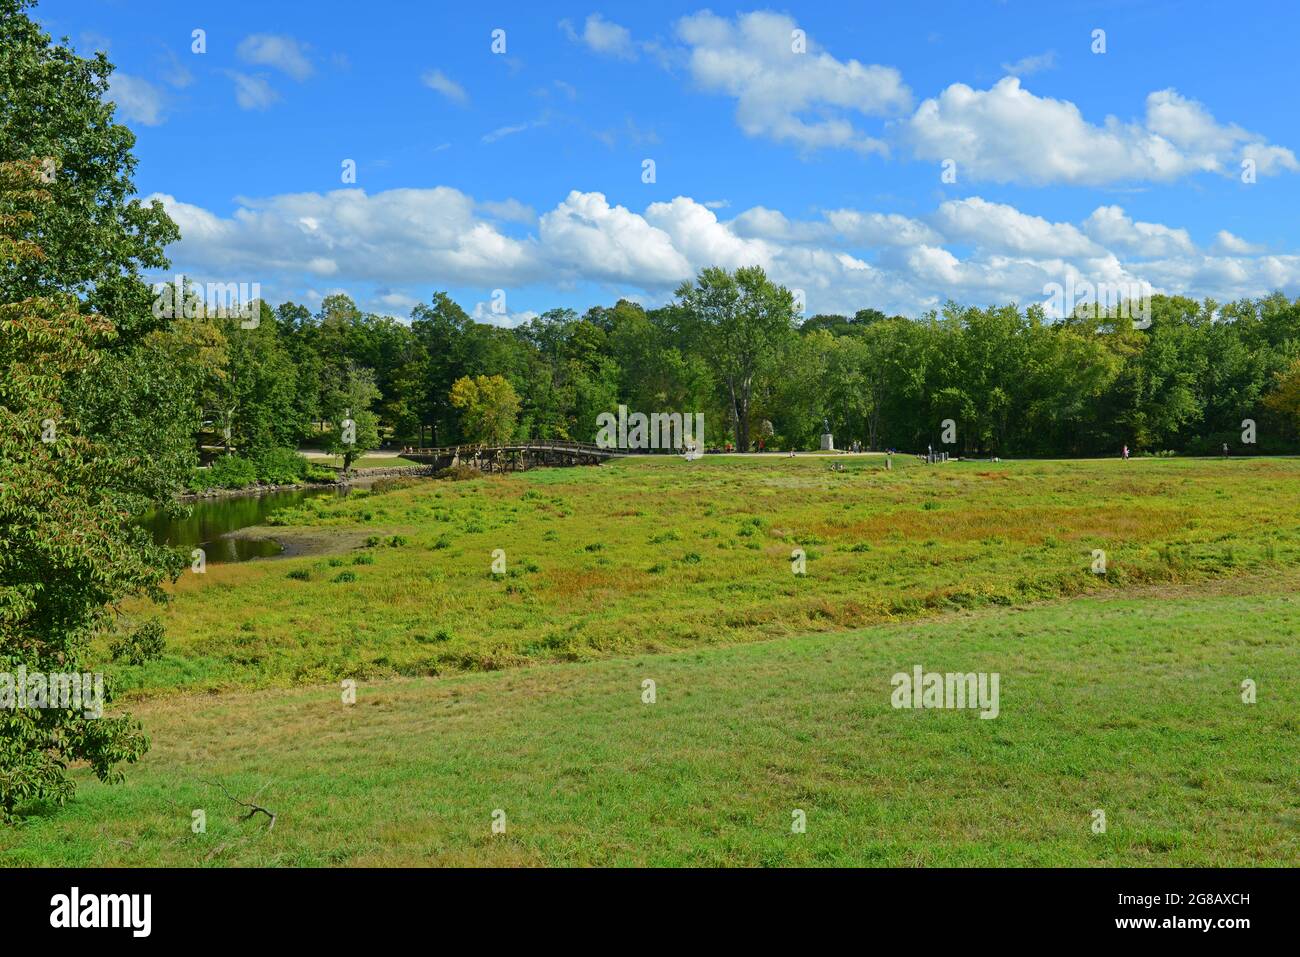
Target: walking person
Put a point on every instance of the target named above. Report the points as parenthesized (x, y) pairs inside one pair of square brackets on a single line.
[(1126, 452)]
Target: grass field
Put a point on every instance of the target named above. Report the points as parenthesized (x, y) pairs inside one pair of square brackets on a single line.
[(655, 555), (1130, 705), (365, 462), (523, 692)]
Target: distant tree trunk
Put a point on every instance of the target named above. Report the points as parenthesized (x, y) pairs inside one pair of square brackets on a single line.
[(740, 415)]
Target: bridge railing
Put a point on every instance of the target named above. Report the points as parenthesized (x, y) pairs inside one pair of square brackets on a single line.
[(540, 445)]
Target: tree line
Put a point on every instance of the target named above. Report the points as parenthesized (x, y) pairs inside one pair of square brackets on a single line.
[(732, 345)]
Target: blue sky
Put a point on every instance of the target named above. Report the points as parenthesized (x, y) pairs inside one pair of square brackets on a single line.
[(522, 171)]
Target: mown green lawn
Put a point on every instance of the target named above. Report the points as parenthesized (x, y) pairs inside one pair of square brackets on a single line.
[(365, 462), (1127, 702), (652, 555)]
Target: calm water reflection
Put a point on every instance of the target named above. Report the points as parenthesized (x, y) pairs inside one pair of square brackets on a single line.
[(212, 520)]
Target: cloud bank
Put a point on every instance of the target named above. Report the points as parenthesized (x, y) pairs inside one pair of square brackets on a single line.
[(413, 241)]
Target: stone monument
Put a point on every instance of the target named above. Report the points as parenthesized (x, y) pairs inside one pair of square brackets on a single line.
[(828, 440)]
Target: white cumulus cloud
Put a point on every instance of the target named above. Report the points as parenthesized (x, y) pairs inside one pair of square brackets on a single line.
[(806, 98), (1111, 226), (1232, 245), (409, 242), (1007, 134), (396, 236), (997, 226), (610, 243)]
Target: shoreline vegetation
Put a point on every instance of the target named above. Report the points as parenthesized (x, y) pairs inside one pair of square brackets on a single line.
[(285, 469), (355, 477)]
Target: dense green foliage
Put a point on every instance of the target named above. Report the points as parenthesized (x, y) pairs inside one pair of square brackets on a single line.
[(280, 466), (70, 551), (274, 466), (96, 418), (145, 643), (490, 408), (1014, 383), (95, 237), (349, 402), (742, 324)]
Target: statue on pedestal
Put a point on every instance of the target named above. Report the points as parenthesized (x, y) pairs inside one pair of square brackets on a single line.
[(828, 440)]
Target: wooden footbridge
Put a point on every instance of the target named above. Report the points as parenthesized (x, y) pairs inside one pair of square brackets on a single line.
[(512, 458)]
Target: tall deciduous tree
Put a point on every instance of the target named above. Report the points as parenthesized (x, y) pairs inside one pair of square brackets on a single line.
[(1285, 397), (442, 328), (55, 110), (356, 427), (740, 323), (71, 551), (95, 423), (489, 406)]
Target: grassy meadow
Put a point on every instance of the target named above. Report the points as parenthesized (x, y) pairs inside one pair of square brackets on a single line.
[(649, 555), (522, 691), (364, 462), (1130, 705)]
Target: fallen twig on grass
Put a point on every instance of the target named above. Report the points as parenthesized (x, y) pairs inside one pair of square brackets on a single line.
[(253, 809)]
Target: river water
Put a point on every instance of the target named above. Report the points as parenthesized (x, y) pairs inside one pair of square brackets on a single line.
[(212, 520)]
